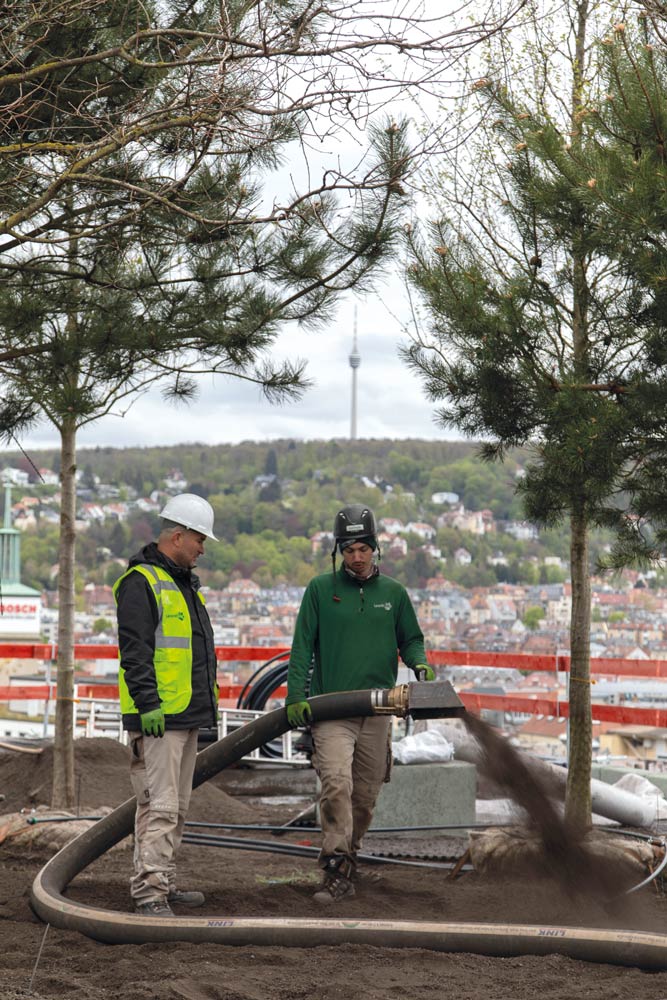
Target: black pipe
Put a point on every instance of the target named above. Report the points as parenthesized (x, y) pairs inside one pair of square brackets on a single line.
[(269, 828), (302, 850), (245, 844)]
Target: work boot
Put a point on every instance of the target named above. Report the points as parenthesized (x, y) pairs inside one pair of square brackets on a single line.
[(154, 908), (185, 897), (334, 888)]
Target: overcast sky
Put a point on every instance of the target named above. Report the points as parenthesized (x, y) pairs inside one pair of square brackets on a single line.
[(390, 400), (390, 404)]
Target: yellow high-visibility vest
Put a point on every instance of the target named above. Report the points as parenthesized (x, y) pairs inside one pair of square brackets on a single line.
[(173, 643)]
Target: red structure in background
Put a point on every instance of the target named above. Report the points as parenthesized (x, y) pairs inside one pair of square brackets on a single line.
[(535, 705)]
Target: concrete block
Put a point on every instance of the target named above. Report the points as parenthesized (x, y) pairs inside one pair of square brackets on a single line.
[(427, 795)]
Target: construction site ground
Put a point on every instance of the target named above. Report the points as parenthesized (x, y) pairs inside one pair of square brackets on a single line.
[(249, 883)]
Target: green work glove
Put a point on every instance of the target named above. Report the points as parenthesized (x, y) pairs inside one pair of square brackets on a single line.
[(152, 723), (299, 714), (424, 672)]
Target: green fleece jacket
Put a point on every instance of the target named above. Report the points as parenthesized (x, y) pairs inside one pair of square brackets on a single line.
[(352, 630)]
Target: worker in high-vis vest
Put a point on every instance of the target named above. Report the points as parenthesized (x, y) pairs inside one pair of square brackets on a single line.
[(168, 692)]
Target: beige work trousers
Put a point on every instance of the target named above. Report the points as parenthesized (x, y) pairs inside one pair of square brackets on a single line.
[(352, 758), (161, 773)]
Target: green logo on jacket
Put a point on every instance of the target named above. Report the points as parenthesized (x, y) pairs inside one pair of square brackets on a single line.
[(176, 614)]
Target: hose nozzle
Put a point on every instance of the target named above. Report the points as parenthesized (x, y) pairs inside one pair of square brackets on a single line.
[(435, 700)]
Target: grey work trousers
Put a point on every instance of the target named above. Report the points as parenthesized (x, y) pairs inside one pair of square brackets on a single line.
[(352, 758), (161, 773)]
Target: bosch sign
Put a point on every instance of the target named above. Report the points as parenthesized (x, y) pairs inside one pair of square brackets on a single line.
[(20, 617), (19, 609)]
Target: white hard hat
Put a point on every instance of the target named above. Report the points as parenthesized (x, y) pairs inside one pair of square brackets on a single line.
[(192, 512)]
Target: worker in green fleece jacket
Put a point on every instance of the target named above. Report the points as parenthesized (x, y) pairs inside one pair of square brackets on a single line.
[(350, 625)]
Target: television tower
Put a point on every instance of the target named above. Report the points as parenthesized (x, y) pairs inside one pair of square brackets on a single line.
[(355, 361)]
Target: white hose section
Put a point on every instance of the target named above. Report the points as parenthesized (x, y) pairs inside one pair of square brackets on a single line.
[(606, 800)]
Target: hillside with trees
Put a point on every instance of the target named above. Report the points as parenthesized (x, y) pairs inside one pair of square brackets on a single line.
[(271, 499)]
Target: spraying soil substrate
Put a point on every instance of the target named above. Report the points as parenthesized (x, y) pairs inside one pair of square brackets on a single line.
[(568, 855)]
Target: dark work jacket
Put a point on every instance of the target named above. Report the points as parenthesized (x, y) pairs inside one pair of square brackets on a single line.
[(137, 621)]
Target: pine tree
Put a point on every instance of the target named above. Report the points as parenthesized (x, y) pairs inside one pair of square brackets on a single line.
[(628, 186), (546, 311), (139, 237)]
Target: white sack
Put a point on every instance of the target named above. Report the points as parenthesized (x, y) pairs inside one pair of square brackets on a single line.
[(423, 748)]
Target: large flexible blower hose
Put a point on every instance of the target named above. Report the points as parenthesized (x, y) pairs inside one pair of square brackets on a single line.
[(52, 906)]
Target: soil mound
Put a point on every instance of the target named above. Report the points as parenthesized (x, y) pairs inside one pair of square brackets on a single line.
[(102, 780)]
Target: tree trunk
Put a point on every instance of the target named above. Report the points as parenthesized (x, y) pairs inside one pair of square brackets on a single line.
[(63, 793), (580, 725), (578, 795)]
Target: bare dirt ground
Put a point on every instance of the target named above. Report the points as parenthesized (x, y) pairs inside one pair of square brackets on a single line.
[(248, 883)]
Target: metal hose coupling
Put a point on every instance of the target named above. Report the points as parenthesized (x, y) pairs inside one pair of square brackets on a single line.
[(390, 701), (432, 700)]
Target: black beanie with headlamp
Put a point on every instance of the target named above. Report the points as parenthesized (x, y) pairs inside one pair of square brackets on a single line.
[(355, 523)]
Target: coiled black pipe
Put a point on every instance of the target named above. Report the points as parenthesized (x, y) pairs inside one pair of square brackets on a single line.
[(258, 689), (47, 899), (249, 698)]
